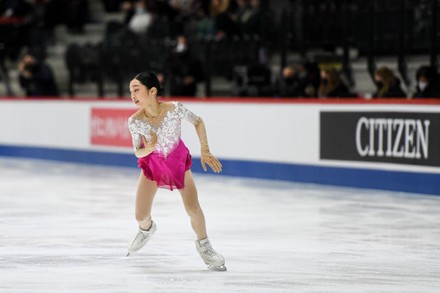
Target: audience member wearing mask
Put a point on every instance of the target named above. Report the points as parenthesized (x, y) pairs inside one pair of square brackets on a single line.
[(36, 77), (138, 18), (332, 85), (388, 85), (290, 83), (428, 83)]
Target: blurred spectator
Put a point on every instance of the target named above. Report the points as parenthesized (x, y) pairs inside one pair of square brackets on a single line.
[(223, 13), (388, 85), (249, 19), (36, 77), (332, 85), (185, 12), (15, 8), (185, 8), (310, 78), (299, 81), (16, 20), (183, 72), (291, 82), (258, 81), (428, 83), (138, 18), (218, 7), (204, 25)]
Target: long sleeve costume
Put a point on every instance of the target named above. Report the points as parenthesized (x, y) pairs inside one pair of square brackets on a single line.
[(169, 159)]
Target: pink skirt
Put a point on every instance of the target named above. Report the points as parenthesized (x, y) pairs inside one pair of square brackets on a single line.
[(167, 172)]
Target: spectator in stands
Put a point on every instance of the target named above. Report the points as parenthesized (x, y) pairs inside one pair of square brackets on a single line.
[(204, 25), (138, 17), (185, 8), (223, 13), (428, 83), (249, 19), (332, 85), (185, 12), (36, 77), (16, 17), (183, 71), (15, 8), (310, 78), (219, 7), (289, 83), (388, 85)]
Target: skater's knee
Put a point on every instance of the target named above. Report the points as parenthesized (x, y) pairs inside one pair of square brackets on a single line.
[(193, 210)]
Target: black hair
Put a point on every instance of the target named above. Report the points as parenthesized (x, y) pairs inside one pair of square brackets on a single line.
[(427, 71), (150, 80)]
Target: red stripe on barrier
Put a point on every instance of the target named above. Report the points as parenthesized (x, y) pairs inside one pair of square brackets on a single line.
[(241, 100)]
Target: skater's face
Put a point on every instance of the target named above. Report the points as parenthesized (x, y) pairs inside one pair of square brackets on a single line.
[(140, 94)]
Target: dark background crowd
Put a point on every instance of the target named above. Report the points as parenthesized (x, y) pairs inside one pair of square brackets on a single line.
[(190, 43)]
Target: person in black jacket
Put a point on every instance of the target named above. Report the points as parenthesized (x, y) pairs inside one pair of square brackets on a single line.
[(428, 83), (388, 85), (184, 71), (332, 86), (36, 77)]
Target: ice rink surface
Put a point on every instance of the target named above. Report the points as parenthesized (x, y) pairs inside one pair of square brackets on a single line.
[(66, 227)]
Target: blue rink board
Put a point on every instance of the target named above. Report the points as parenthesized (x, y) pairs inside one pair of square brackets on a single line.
[(424, 183)]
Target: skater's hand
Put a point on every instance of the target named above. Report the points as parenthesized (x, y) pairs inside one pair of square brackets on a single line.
[(149, 146), (208, 158)]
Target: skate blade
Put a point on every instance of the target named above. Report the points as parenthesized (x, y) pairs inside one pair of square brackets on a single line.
[(217, 268)]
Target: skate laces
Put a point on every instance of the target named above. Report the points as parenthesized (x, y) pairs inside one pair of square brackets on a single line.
[(207, 250)]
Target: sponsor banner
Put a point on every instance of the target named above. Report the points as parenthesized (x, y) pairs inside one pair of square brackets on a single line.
[(391, 137), (109, 127)]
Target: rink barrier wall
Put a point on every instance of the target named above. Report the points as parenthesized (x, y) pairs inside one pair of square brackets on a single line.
[(251, 156), (348, 177)]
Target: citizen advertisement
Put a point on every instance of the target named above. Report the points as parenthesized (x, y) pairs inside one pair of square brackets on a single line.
[(391, 137)]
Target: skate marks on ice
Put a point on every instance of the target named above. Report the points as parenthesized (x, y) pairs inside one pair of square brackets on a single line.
[(66, 228)]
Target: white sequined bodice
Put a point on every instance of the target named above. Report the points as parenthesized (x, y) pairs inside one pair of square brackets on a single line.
[(168, 130)]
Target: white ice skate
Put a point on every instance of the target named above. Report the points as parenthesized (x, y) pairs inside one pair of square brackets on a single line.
[(142, 237), (213, 259)]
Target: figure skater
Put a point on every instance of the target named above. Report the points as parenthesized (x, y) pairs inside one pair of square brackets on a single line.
[(165, 162)]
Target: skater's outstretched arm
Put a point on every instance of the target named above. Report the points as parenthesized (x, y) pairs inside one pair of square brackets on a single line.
[(206, 156)]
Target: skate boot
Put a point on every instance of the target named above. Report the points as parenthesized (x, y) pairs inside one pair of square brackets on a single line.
[(213, 259), (142, 237)]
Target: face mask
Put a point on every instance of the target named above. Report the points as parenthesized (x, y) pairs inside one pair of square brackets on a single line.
[(180, 48), (139, 10), (324, 81), (379, 84), (29, 67), (422, 85)]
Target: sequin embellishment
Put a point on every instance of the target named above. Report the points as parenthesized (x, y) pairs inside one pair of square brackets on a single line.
[(168, 130)]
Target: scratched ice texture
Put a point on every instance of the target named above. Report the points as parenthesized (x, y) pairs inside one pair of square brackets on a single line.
[(66, 227)]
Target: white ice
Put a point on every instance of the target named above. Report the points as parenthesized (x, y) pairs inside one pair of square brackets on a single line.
[(66, 227)]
